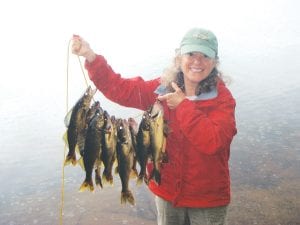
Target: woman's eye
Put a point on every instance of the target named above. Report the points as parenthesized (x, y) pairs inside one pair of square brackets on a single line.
[(190, 54), (205, 56)]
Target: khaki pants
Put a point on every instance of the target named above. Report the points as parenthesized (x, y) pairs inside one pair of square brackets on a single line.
[(168, 215)]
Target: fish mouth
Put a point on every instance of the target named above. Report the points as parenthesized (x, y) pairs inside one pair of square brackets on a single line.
[(90, 91), (153, 116), (108, 129), (93, 92), (97, 104), (156, 109)]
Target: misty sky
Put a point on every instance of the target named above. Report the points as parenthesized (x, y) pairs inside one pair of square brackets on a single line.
[(35, 34)]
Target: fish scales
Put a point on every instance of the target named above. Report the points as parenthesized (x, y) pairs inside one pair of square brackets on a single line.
[(143, 149), (125, 157), (92, 151), (77, 124), (108, 154), (157, 139)]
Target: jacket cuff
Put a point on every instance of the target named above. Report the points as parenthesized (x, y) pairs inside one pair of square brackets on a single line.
[(92, 67)]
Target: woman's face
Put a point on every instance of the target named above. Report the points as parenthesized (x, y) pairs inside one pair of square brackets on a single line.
[(196, 67)]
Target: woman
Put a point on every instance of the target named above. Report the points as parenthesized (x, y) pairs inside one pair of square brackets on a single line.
[(195, 182)]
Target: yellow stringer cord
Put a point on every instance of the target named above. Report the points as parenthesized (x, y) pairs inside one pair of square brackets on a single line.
[(65, 147)]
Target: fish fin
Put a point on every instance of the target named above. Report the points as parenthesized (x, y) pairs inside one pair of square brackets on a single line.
[(68, 117), (65, 138), (98, 181), (116, 170), (81, 163), (127, 197), (70, 159), (107, 180), (133, 174), (115, 163), (139, 181), (87, 185), (142, 178), (77, 149)]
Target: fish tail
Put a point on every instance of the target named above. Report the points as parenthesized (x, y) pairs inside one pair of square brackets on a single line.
[(65, 138), (140, 180), (133, 173), (156, 176), (87, 185), (81, 163), (116, 170), (127, 197), (71, 158), (142, 177), (98, 180), (107, 179)]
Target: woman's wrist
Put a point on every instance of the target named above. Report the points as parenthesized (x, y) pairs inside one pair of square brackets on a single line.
[(90, 56)]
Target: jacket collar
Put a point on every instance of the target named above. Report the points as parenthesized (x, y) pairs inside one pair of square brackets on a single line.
[(162, 90)]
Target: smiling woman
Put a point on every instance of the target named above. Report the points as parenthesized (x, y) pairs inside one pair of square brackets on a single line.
[(184, 192), (257, 40)]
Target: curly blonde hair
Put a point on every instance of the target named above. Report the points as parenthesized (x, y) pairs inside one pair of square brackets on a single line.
[(173, 73)]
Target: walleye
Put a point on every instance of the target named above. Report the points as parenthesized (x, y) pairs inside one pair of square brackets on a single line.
[(77, 124), (133, 128), (92, 151), (90, 114), (81, 139), (125, 157), (157, 139), (143, 149), (109, 145)]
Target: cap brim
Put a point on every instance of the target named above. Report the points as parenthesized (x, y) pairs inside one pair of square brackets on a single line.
[(198, 48)]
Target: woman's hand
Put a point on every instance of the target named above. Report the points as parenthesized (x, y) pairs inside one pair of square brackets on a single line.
[(173, 99), (81, 48)]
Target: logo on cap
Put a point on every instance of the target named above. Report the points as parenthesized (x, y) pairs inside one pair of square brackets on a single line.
[(200, 36)]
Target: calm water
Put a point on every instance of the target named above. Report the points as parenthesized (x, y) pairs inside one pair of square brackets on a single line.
[(265, 154)]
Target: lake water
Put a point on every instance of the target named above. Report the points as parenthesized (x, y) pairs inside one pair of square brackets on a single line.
[(265, 160), (265, 154)]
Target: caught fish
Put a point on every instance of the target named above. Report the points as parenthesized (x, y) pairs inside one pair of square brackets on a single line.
[(90, 114), (81, 139), (125, 157), (77, 124), (157, 139), (133, 128), (108, 155), (143, 148), (92, 151)]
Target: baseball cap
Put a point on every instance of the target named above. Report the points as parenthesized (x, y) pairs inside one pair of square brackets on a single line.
[(200, 40)]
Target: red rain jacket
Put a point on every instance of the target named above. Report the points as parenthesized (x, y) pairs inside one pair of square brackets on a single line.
[(198, 145)]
